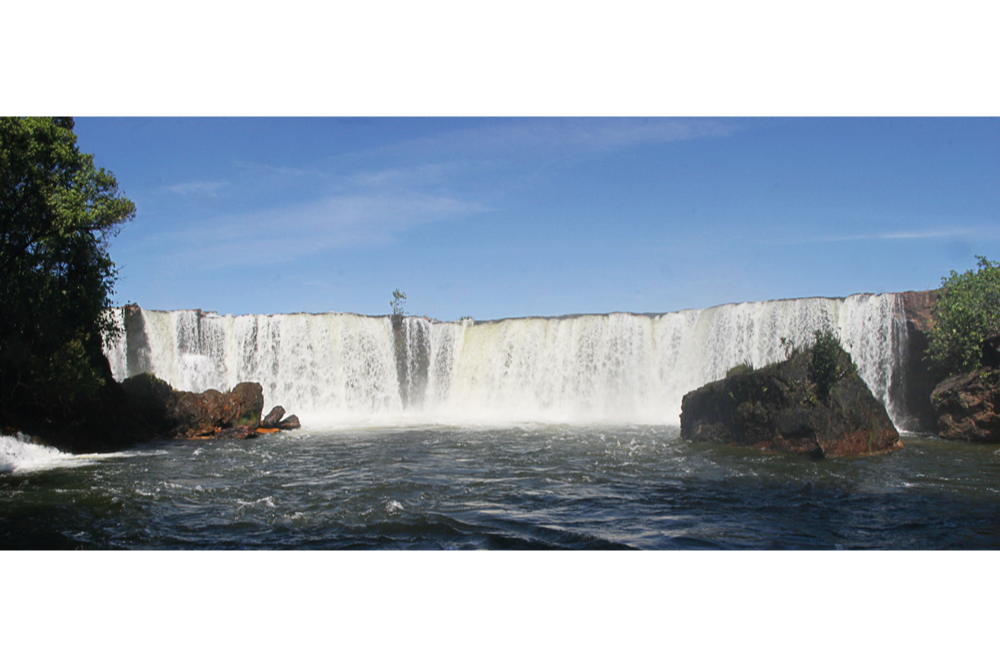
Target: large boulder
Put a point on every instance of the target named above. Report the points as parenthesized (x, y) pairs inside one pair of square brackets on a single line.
[(273, 417), (967, 406), (212, 412), (149, 399), (289, 423), (185, 414), (811, 405)]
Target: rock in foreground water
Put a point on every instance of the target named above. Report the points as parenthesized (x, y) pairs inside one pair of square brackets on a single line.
[(185, 414), (785, 407)]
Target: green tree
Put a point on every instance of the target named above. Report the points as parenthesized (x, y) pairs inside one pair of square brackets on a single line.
[(827, 364), (398, 302), (57, 211), (966, 313)]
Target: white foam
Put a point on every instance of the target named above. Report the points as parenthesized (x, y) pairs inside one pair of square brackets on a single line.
[(17, 454)]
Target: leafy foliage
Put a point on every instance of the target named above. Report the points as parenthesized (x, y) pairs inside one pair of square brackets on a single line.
[(787, 347), (745, 366), (825, 363), (57, 211), (967, 312), (398, 302)]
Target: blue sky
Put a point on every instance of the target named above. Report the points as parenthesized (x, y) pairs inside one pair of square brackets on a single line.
[(508, 217)]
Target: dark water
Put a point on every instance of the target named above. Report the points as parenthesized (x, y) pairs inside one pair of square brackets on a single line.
[(529, 487)]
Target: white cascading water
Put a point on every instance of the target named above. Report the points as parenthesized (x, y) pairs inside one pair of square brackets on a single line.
[(19, 454), (338, 367)]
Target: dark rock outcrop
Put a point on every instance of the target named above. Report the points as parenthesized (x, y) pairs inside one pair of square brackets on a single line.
[(248, 402), (919, 378), (137, 343), (289, 423), (273, 417), (149, 398), (967, 406), (273, 422), (782, 408), (102, 423), (182, 414)]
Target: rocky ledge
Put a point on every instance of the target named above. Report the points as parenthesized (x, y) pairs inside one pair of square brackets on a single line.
[(167, 412), (812, 404), (967, 406)]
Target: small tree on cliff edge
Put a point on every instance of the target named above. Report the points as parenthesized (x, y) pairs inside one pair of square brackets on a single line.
[(398, 302), (57, 211), (966, 313)]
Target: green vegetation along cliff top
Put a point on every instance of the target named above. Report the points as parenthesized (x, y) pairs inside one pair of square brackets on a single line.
[(967, 312)]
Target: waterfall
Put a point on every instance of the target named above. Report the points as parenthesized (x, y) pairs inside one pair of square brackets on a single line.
[(616, 367)]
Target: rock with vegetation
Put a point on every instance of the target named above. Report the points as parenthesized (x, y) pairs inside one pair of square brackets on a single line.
[(210, 412), (167, 412), (965, 347), (814, 403), (968, 405)]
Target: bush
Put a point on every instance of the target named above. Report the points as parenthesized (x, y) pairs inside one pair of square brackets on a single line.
[(740, 369), (967, 312), (824, 361)]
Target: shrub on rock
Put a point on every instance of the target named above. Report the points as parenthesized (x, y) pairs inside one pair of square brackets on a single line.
[(814, 403)]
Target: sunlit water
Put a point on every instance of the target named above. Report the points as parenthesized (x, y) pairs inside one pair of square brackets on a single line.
[(512, 487)]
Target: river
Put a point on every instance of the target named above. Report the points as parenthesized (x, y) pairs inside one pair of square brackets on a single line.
[(513, 486)]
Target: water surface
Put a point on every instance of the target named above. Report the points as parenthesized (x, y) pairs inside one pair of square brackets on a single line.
[(529, 486)]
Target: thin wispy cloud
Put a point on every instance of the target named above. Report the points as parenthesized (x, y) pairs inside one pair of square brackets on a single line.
[(414, 176), (903, 235), (361, 199), (203, 188), (259, 171), (923, 234), (563, 138), (370, 178), (302, 230), (607, 134)]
